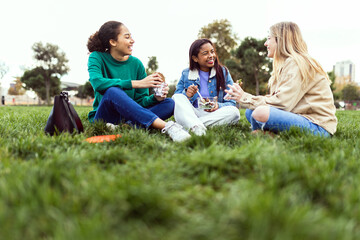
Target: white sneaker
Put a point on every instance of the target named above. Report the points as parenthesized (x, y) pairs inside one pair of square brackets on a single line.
[(175, 131), (111, 126), (198, 130)]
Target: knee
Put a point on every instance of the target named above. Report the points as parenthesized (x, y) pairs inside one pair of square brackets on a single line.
[(261, 113), (168, 103), (179, 97), (113, 92), (235, 114), (232, 114)]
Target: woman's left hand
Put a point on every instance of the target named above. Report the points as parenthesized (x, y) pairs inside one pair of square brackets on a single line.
[(165, 92), (216, 107), (235, 92)]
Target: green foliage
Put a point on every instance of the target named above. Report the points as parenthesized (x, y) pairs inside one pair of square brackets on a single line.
[(52, 64), (332, 79), (220, 33), (51, 58), (250, 64), (228, 184), (18, 88), (152, 65), (337, 94), (34, 80), (172, 89), (85, 91), (350, 92)]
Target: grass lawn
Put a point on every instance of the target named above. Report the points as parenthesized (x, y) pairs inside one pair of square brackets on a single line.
[(228, 184)]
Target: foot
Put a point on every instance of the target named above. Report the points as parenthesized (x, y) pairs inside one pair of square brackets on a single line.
[(198, 130), (175, 131)]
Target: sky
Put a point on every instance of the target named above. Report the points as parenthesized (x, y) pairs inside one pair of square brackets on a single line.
[(166, 29)]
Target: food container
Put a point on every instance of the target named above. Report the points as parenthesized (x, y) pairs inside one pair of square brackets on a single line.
[(207, 102), (158, 90)]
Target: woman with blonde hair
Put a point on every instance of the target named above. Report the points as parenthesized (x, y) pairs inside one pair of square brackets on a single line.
[(300, 94)]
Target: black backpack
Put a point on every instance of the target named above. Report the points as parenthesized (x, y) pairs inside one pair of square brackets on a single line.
[(63, 117)]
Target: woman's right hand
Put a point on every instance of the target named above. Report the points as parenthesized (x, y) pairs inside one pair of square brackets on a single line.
[(191, 90), (151, 81)]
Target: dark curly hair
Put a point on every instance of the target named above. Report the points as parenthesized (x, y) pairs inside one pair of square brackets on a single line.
[(194, 51), (99, 41)]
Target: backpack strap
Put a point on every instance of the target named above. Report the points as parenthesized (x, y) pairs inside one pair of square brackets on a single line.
[(65, 100)]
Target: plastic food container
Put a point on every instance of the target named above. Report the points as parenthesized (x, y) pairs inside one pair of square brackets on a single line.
[(207, 103), (158, 90)]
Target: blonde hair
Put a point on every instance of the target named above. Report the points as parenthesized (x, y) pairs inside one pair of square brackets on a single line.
[(291, 44)]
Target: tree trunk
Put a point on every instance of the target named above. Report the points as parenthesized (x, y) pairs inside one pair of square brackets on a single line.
[(47, 88), (256, 82)]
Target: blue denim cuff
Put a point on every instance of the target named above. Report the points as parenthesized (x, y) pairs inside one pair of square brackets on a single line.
[(261, 124)]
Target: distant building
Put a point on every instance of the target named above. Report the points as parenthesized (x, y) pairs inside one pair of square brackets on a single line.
[(13, 86), (344, 73), (67, 86)]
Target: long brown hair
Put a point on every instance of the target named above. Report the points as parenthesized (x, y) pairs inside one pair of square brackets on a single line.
[(99, 41), (194, 51)]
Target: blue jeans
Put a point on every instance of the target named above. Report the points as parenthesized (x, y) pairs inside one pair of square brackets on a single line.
[(116, 106), (280, 120)]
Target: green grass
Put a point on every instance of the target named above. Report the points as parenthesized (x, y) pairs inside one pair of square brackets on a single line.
[(228, 184)]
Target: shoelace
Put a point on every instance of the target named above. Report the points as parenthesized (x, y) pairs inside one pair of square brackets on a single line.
[(176, 126), (194, 128), (165, 129)]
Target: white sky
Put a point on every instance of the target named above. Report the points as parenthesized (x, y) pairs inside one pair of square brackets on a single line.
[(166, 29)]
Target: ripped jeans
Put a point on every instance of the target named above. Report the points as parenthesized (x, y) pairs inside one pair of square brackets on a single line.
[(280, 120)]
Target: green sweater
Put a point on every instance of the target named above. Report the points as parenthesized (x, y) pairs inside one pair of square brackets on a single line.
[(106, 72)]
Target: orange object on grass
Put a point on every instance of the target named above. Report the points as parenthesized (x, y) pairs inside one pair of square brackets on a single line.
[(102, 138)]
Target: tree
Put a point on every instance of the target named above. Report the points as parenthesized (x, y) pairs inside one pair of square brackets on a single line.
[(172, 89), (17, 88), (152, 65), (220, 33), (350, 93), (52, 64), (34, 80), (337, 94), (332, 79), (85, 91), (3, 69), (250, 63)]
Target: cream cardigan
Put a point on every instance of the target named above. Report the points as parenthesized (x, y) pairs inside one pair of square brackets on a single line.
[(315, 101)]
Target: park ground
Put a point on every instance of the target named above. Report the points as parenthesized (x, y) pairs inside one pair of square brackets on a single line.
[(228, 184)]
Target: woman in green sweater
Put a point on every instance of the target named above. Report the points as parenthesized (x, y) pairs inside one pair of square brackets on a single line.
[(121, 86)]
